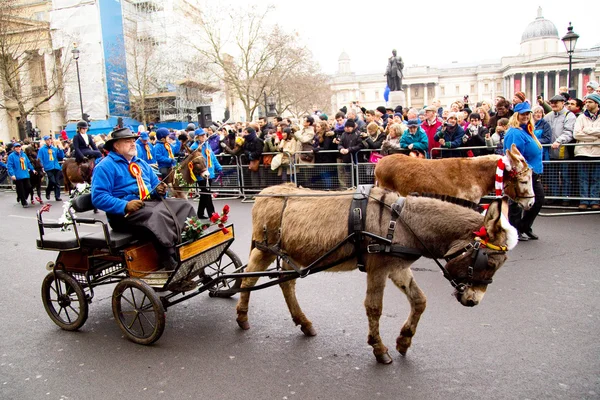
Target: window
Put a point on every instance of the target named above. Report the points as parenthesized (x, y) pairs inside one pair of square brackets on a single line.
[(499, 86), (486, 88), (376, 95), (472, 89), (442, 90), (416, 92), (362, 96), (457, 89)]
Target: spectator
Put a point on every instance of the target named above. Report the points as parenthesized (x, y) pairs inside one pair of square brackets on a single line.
[(340, 121), (414, 139), (430, 126), (475, 136), (562, 123), (450, 135), (521, 135), (421, 115), (252, 151), (543, 130), (306, 137), (372, 140), (349, 144), (487, 106), (484, 116), (518, 98), (497, 138), (287, 146), (392, 141), (361, 126), (437, 105), (591, 87), (502, 111), (587, 131), (575, 106), (543, 104), (18, 166)]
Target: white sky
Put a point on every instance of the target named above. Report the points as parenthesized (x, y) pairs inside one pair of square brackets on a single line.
[(424, 33)]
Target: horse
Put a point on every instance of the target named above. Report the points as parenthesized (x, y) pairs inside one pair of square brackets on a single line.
[(305, 224), (191, 169), (467, 178), (74, 172)]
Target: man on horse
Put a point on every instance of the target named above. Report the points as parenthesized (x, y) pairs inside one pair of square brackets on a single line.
[(83, 144), (125, 187)]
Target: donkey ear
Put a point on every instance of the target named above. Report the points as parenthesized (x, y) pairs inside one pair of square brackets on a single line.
[(492, 220), (515, 158)]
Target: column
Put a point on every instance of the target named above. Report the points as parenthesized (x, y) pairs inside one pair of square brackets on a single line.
[(524, 85), (556, 84), (546, 85), (407, 96), (55, 103), (511, 88), (580, 89), (533, 87), (4, 121), (425, 95)]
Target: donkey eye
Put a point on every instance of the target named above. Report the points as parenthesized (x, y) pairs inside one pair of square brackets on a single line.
[(523, 182)]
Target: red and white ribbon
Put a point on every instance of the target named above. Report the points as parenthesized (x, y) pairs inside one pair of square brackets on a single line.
[(499, 184)]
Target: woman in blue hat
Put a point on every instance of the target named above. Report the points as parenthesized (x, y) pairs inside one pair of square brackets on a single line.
[(522, 134)]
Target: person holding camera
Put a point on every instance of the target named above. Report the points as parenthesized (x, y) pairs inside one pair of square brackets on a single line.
[(450, 135), (349, 144), (475, 135)]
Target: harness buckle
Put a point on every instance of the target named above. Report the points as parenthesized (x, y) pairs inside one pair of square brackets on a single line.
[(392, 225), (373, 248)]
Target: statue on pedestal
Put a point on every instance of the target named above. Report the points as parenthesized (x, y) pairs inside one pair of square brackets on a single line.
[(394, 72)]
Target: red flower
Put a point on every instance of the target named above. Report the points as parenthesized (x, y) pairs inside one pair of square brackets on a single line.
[(214, 218), (225, 231), (215, 194), (224, 218), (205, 227), (226, 209), (221, 226)]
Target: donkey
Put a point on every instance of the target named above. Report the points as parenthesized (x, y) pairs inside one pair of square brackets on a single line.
[(191, 169), (466, 178), (307, 227)]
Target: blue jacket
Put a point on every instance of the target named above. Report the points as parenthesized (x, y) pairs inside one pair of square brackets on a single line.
[(44, 157), (543, 131), (214, 164), (141, 151), (113, 185), (418, 140), (162, 155), (527, 146), (14, 165), (453, 138), (195, 145), (215, 143)]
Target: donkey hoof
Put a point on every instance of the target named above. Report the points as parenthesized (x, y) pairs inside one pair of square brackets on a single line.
[(383, 358), (309, 331), (243, 324)]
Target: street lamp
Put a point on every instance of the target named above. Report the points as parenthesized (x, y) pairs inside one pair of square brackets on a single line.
[(75, 53), (570, 40)]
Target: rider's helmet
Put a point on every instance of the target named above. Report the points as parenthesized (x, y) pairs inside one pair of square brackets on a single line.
[(82, 124)]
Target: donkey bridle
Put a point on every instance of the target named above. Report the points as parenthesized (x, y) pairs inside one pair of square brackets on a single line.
[(513, 180)]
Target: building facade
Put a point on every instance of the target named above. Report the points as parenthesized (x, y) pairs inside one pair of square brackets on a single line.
[(541, 67)]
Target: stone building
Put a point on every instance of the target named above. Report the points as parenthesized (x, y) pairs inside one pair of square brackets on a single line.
[(540, 67)]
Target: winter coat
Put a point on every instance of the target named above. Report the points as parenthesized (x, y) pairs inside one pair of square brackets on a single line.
[(162, 156), (143, 149), (252, 148), (526, 145), (587, 130), (212, 164), (14, 165), (352, 142), (430, 131), (475, 138), (324, 152), (418, 140), (214, 141), (44, 157), (305, 138), (562, 124), (453, 137)]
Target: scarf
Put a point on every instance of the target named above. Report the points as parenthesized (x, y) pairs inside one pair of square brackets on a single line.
[(168, 147), (22, 159), (207, 156), (136, 172), (148, 152), (50, 154)]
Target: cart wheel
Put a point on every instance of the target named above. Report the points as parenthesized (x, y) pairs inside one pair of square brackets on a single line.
[(229, 263), (138, 311), (64, 300)]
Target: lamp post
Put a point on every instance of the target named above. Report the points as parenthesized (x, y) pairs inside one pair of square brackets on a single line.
[(570, 40), (76, 53)]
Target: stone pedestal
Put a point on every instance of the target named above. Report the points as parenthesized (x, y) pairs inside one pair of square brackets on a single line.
[(397, 98)]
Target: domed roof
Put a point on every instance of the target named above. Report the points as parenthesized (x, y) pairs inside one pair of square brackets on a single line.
[(344, 57), (539, 28)]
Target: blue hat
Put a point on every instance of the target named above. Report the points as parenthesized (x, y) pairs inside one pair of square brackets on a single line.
[(522, 108), (398, 115), (413, 122), (162, 133), (46, 137), (199, 132), (594, 97), (144, 136), (17, 144)]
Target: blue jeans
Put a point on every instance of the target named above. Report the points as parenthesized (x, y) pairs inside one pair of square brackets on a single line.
[(589, 181)]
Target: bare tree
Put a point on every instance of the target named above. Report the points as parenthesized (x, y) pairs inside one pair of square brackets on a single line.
[(303, 92), (253, 58), (27, 82)]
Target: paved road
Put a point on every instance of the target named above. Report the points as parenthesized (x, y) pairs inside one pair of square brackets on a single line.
[(535, 336)]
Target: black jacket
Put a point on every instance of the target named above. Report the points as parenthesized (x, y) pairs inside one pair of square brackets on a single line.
[(351, 141), (79, 144)]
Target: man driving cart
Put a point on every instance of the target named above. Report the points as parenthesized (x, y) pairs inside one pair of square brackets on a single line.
[(126, 188)]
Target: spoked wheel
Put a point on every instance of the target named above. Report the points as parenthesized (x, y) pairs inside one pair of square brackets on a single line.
[(229, 263), (138, 311), (64, 300)]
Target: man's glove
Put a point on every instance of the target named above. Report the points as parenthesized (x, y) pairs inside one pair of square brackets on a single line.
[(161, 189), (133, 206)]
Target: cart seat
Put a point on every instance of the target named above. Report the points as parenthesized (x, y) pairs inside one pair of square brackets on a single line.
[(117, 239), (59, 241)]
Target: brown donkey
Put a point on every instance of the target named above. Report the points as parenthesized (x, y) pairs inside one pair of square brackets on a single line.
[(465, 178), (311, 226), (191, 169)]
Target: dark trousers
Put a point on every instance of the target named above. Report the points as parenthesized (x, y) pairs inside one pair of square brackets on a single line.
[(23, 188), (523, 220), (205, 203), (53, 176)]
